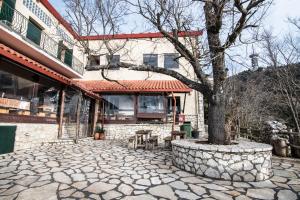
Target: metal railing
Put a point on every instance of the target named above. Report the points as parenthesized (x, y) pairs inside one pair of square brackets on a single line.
[(15, 21)]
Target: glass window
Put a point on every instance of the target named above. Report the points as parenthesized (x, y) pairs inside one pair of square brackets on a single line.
[(151, 104), (32, 95), (119, 105), (150, 59), (170, 60), (171, 103), (114, 61), (94, 60)]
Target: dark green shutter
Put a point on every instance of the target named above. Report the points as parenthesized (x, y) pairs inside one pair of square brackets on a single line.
[(7, 11), (34, 33), (7, 139), (68, 57)]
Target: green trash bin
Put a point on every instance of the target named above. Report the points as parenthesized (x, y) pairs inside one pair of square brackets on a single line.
[(7, 139), (186, 126)]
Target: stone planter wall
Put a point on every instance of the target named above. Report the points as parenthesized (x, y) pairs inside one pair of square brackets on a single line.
[(247, 161)]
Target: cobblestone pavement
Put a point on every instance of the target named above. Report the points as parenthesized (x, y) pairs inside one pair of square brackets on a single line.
[(108, 170)]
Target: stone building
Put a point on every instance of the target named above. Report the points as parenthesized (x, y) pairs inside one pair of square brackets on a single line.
[(49, 93)]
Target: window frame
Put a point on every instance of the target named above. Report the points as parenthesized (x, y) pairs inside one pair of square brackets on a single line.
[(150, 56), (173, 66)]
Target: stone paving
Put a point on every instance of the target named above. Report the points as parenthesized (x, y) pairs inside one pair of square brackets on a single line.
[(108, 170)]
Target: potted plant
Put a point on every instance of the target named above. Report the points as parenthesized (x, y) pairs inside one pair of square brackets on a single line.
[(101, 132), (195, 133), (97, 133)]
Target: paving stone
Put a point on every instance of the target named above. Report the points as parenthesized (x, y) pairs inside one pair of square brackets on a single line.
[(186, 195), (197, 189), (80, 185), (62, 178), (145, 182), (155, 180), (214, 187), (164, 191), (78, 195), (111, 195), (13, 190), (45, 192), (27, 180), (179, 185), (140, 197), (99, 187), (125, 189), (261, 193), (286, 195), (220, 195), (52, 164)]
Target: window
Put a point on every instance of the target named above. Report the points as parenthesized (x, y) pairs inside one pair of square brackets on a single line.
[(171, 103), (119, 107), (150, 59), (29, 94), (151, 104), (65, 54), (114, 61), (34, 32), (94, 60), (170, 60)]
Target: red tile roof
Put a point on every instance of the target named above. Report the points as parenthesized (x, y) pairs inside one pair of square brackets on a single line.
[(139, 35), (131, 86), (35, 66)]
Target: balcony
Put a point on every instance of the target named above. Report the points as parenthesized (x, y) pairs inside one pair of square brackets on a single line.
[(32, 33)]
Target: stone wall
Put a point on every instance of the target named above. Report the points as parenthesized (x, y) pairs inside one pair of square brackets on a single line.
[(124, 131), (246, 161), (31, 135)]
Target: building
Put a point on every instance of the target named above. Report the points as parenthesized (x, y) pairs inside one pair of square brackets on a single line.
[(48, 92)]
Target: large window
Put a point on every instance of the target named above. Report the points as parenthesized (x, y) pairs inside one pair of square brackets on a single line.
[(171, 60), (27, 94), (151, 104), (119, 107), (150, 59)]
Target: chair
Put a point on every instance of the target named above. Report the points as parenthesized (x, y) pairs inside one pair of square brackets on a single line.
[(152, 142), (168, 140), (131, 142)]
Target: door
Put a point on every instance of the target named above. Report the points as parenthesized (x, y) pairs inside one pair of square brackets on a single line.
[(7, 139), (34, 32), (7, 11)]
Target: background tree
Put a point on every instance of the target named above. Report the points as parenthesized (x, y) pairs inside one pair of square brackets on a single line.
[(224, 22)]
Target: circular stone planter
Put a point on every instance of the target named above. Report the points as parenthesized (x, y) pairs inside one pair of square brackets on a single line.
[(246, 161)]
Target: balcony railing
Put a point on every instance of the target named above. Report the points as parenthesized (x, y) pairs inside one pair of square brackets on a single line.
[(18, 23)]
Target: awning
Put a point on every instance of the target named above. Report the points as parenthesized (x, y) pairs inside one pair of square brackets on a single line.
[(134, 86), (39, 68)]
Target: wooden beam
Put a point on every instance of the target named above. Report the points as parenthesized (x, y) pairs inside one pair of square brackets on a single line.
[(61, 112), (95, 118), (174, 111), (78, 116)]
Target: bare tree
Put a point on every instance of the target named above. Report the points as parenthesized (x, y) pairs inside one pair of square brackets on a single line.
[(284, 56), (224, 22)]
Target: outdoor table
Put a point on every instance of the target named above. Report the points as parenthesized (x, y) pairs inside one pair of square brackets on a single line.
[(142, 138), (174, 134)]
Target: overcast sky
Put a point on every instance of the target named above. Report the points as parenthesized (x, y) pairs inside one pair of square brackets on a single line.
[(278, 14), (276, 20)]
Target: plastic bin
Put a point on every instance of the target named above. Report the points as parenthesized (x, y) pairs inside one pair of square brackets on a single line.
[(186, 126), (7, 139)]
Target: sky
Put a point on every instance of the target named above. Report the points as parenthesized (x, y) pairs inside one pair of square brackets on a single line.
[(275, 20)]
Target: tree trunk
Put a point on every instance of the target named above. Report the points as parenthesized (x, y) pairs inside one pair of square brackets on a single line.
[(216, 120)]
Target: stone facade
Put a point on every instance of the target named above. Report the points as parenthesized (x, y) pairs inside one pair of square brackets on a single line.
[(124, 131), (32, 135), (246, 161)]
